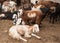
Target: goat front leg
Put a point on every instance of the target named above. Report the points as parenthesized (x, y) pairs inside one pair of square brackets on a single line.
[(23, 39), (35, 36)]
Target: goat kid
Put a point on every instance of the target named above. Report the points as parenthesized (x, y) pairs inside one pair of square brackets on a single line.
[(16, 31)]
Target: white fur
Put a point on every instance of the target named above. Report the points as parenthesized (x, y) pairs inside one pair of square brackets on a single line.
[(23, 23), (5, 8), (2, 15), (19, 20), (36, 27), (14, 16), (12, 3), (20, 12), (33, 1), (35, 36), (36, 8), (31, 15), (14, 31), (53, 8)]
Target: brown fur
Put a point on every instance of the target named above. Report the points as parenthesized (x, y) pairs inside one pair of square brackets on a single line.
[(36, 19)]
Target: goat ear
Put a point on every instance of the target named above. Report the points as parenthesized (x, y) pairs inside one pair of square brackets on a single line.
[(33, 28)]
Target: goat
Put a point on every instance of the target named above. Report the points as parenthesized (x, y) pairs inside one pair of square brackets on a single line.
[(17, 30)]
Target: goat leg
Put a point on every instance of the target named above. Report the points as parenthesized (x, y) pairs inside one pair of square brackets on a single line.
[(35, 36), (23, 39)]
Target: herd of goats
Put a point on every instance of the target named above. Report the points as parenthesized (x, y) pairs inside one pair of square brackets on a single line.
[(28, 20)]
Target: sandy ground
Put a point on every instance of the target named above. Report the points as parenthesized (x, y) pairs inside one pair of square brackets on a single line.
[(49, 33)]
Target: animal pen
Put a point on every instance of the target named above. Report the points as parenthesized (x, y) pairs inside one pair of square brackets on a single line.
[(48, 31)]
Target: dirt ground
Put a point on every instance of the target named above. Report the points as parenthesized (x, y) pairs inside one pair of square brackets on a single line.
[(49, 33)]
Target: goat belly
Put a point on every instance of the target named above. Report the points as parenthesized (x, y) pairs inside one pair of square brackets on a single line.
[(21, 32)]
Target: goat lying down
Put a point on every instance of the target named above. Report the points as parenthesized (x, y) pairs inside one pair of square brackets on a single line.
[(16, 31)]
